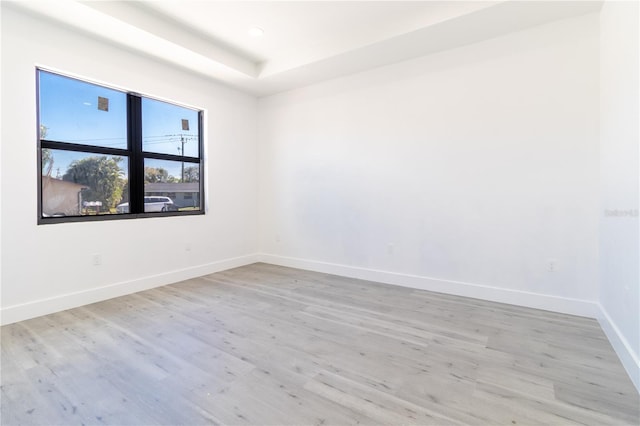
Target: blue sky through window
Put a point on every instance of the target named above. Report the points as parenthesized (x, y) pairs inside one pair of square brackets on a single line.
[(74, 111), (69, 111), (163, 131)]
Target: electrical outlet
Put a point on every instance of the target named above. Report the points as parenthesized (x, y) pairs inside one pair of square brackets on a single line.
[(96, 259), (187, 247), (390, 248), (552, 265)]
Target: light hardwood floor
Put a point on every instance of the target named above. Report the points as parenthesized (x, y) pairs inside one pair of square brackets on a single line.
[(266, 345)]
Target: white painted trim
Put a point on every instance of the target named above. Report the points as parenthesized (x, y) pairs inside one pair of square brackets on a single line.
[(565, 305), (37, 308), (629, 358), (627, 355)]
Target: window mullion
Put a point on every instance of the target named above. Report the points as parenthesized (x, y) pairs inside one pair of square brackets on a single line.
[(136, 165), (67, 146)]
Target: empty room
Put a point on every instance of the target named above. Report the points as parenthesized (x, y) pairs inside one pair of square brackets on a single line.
[(320, 213)]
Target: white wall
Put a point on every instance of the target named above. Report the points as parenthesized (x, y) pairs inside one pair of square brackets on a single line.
[(619, 230), (465, 171), (48, 268)]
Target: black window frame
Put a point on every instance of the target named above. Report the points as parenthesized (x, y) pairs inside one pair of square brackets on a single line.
[(134, 153)]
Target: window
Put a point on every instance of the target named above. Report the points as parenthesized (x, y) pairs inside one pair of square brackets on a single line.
[(109, 154)]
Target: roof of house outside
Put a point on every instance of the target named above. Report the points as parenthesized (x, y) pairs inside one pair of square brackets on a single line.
[(48, 180), (172, 187)]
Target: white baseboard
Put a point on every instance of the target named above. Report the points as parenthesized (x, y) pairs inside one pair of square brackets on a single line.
[(565, 305), (37, 308), (628, 356)]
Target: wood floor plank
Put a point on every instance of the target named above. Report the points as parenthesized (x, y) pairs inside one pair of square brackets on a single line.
[(268, 345), (385, 407)]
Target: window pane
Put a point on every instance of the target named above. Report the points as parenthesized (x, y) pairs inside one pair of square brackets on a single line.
[(78, 183), (169, 129), (83, 113), (171, 185)]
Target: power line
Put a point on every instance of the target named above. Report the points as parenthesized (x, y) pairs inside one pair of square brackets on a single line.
[(186, 136)]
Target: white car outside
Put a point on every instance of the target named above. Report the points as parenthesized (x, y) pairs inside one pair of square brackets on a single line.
[(151, 204)]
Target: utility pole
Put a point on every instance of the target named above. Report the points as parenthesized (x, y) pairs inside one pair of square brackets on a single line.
[(182, 141)]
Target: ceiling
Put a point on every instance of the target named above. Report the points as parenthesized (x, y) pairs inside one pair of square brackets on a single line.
[(304, 41)]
